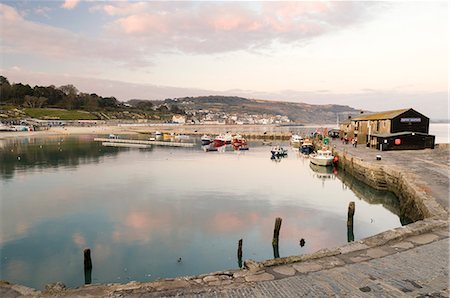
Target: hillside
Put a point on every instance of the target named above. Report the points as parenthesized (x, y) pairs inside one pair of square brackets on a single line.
[(297, 112)]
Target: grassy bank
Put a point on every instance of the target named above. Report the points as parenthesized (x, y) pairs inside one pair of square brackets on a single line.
[(59, 114)]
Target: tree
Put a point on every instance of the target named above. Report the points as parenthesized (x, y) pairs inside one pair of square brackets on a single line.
[(144, 105), (69, 90), (176, 109), (4, 80), (33, 101), (5, 89), (19, 91)]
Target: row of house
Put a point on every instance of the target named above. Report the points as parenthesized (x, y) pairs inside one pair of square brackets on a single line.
[(390, 130)]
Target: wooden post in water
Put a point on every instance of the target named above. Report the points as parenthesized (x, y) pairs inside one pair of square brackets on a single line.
[(239, 253), (350, 214), (87, 266), (276, 236)]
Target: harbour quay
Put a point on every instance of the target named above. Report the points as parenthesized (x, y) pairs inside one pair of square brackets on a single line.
[(409, 261)]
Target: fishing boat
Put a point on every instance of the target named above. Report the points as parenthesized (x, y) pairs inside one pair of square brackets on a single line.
[(307, 147), (222, 139), (323, 157), (278, 151), (296, 141), (238, 140), (206, 140)]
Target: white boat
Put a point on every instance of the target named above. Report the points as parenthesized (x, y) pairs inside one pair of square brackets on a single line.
[(278, 151), (296, 141), (223, 139), (322, 158), (181, 137), (205, 139)]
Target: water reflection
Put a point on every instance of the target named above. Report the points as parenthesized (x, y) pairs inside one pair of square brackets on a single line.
[(39, 153), (141, 211), (375, 197), (87, 267)]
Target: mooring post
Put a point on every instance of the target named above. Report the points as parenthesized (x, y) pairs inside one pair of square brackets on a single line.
[(350, 214), (239, 253), (276, 236), (87, 266)]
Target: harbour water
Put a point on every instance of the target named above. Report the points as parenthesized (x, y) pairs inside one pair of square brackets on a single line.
[(165, 212)]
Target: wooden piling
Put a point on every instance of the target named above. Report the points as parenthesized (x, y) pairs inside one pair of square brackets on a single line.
[(276, 236), (239, 253), (350, 213), (87, 266), (276, 231)]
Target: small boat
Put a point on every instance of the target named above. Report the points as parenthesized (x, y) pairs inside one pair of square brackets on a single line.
[(238, 140), (278, 151), (296, 141), (206, 140), (307, 147), (158, 133), (222, 140), (322, 158), (181, 137), (113, 136)]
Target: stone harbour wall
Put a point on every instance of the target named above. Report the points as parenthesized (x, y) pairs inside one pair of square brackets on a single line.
[(415, 203)]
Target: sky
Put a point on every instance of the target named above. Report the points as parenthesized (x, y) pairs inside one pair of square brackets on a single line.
[(369, 55)]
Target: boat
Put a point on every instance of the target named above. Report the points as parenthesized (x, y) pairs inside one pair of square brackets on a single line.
[(238, 141), (323, 157), (296, 141), (222, 140), (206, 140), (278, 151), (307, 147), (181, 137)]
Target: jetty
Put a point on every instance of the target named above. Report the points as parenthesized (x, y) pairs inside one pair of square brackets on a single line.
[(126, 145), (143, 142)]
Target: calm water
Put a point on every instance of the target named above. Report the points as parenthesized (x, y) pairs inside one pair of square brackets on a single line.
[(141, 210)]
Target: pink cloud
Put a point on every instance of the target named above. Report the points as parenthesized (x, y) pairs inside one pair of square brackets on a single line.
[(79, 240), (56, 43), (137, 31), (70, 4), (9, 14), (221, 27)]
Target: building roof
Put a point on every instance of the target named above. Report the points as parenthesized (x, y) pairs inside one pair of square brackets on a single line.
[(380, 115), (396, 134)]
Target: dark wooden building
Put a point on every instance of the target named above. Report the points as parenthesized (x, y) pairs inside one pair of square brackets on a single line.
[(403, 129)]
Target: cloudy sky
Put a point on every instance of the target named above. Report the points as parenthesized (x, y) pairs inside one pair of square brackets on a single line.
[(369, 55)]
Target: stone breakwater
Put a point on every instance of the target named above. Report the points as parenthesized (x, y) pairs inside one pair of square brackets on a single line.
[(415, 202), (416, 255)]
